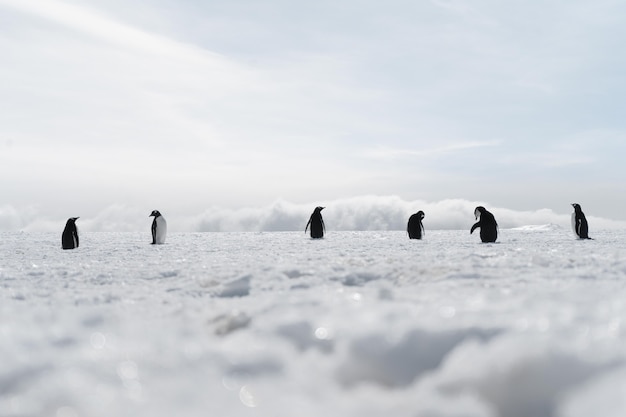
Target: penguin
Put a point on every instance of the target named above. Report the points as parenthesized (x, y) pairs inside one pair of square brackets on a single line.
[(487, 223), (159, 228), (317, 223), (579, 222), (69, 238), (415, 228)]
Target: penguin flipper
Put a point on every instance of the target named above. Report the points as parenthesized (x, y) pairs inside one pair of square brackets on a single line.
[(474, 227), (307, 225)]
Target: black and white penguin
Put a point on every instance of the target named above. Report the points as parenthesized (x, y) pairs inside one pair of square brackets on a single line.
[(159, 228), (69, 238), (487, 223), (317, 223), (579, 222), (415, 228)]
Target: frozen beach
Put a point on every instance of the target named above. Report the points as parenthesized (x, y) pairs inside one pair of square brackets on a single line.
[(358, 324)]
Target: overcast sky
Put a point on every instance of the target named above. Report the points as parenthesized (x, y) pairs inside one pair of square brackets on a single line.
[(192, 106)]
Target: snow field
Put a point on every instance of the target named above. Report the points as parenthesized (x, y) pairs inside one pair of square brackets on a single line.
[(277, 324)]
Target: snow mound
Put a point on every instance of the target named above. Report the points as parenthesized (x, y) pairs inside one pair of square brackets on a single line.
[(377, 359), (239, 287), (540, 375), (229, 322), (305, 336)]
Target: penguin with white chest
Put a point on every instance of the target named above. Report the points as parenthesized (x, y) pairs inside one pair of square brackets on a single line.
[(414, 227), (159, 228), (579, 222), (69, 238), (317, 224), (487, 223)]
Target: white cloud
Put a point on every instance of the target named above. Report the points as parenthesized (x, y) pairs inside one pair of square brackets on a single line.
[(357, 213), (98, 25), (12, 219), (385, 152)]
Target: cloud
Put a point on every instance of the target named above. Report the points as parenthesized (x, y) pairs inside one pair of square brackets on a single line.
[(383, 152), (361, 213), (98, 25), (377, 213), (13, 219), (118, 218)]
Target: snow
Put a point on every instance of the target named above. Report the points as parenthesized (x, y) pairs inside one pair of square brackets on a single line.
[(278, 324)]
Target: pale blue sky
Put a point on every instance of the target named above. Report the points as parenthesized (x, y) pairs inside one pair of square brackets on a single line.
[(182, 105)]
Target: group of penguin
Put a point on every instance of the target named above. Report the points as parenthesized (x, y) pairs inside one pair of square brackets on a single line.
[(486, 222), (415, 229), (69, 238)]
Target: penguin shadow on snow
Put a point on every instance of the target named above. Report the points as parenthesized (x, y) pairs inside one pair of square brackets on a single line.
[(317, 223), (69, 238), (159, 228), (487, 224)]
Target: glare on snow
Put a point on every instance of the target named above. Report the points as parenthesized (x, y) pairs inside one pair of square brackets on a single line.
[(278, 324)]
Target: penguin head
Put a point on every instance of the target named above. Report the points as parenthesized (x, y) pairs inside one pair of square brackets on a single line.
[(155, 213), (318, 209), (576, 207), (420, 214), (72, 220), (478, 211)]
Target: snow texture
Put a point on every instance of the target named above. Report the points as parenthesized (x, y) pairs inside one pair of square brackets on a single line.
[(358, 324)]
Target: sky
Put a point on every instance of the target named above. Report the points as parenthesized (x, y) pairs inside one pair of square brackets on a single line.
[(215, 111)]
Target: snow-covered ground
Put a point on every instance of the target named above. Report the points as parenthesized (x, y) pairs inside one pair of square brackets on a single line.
[(276, 324)]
